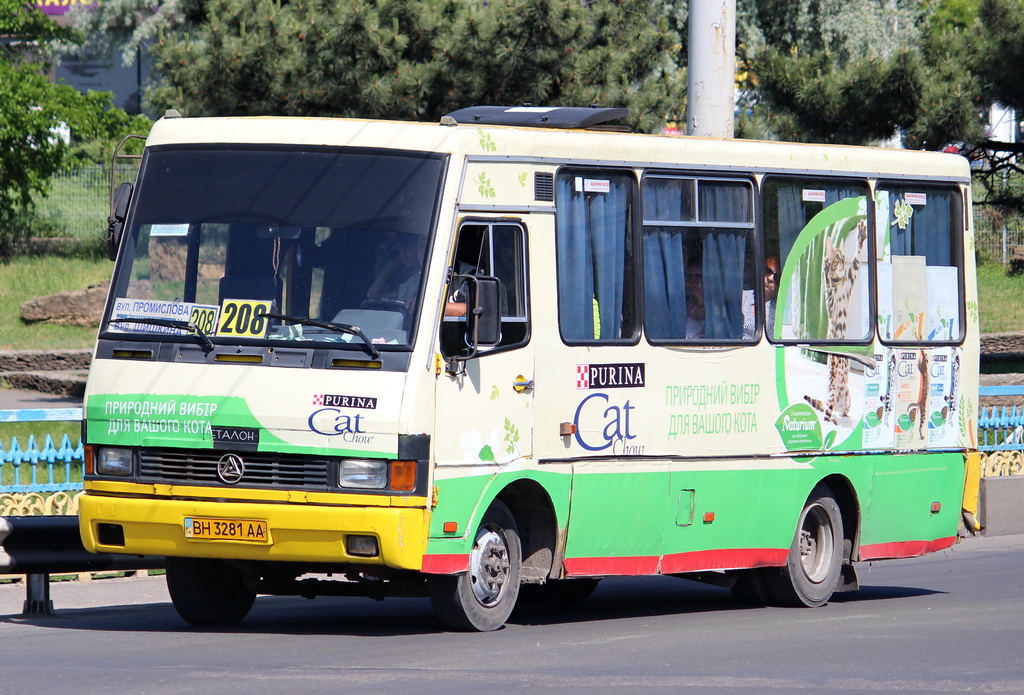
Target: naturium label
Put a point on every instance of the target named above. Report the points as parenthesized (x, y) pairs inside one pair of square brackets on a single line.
[(799, 427)]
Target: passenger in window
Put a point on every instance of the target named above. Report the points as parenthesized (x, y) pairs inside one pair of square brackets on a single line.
[(694, 303), (771, 292)]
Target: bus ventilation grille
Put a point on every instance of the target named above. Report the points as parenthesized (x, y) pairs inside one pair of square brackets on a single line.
[(262, 469), (544, 186)]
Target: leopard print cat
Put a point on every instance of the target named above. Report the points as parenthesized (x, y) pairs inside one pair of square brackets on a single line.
[(840, 276), (922, 397), (885, 409), (954, 387)]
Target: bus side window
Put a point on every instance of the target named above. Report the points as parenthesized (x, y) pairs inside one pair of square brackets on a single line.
[(698, 242), (595, 240), (816, 233), (496, 250), (920, 278)]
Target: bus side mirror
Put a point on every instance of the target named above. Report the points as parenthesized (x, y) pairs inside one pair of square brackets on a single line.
[(483, 315), (118, 213)]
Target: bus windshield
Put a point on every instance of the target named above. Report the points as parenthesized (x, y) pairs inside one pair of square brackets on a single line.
[(234, 244)]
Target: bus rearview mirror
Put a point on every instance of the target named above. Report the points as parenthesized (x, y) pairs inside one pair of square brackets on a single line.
[(484, 318), (118, 213)]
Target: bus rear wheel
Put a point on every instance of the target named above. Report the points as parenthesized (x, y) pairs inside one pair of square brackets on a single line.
[(813, 567), (483, 598), (208, 592)]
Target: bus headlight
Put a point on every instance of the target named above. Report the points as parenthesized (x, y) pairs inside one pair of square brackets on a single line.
[(364, 473), (114, 461)]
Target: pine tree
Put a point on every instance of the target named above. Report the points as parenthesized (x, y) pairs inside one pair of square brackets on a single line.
[(419, 59)]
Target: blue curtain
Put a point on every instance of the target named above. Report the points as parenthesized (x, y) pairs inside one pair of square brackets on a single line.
[(724, 257), (724, 252), (717, 255), (928, 232), (664, 265), (591, 237)]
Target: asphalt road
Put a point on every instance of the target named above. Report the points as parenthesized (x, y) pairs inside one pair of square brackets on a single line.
[(948, 623), (17, 399)]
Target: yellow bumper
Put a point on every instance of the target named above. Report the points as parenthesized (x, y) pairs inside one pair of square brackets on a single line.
[(297, 532)]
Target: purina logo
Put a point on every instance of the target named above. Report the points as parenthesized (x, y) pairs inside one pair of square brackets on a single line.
[(334, 401), (611, 376)]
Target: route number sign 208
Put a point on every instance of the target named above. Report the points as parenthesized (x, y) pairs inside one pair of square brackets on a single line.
[(243, 318)]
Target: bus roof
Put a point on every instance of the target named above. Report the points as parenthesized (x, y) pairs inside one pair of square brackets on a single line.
[(558, 146)]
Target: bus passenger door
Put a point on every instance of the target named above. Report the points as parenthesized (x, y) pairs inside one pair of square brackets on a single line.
[(484, 412)]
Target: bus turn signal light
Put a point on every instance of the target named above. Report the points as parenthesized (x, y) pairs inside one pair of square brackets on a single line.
[(936, 507), (403, 475)]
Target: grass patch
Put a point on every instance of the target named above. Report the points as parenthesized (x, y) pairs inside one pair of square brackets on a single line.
[(24, 430), (41, 473), (999, 299), (25, 278)]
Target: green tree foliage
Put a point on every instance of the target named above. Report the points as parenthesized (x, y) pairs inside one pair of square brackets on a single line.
[(858, 71), (836, 70), (34, 112), (418, 59)]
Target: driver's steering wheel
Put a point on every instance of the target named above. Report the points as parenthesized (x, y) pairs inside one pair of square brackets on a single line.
[(384, 304)]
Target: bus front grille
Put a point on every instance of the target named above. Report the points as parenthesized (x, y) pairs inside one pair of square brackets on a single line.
[(261, 469)]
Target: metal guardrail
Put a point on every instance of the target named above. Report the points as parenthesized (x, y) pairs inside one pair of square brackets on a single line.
[(38, 546)]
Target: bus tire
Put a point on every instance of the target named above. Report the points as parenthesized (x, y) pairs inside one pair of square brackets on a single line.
[(483, 598), (208, 592), (813, 567)]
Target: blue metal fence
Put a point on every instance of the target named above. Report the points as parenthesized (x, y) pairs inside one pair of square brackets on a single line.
[(1001, 429), (44, 464)]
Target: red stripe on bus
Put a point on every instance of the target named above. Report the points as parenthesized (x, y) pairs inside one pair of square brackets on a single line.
[(731, 559), (886, 551), (611, 566), (739, 558), (445, 564)]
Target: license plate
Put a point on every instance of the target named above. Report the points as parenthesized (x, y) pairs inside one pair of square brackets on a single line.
[(246, 530)]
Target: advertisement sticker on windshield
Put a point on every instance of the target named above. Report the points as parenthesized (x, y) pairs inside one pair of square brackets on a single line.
[(169, 230)]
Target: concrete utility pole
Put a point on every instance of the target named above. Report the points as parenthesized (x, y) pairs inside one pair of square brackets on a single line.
[(712, 68)]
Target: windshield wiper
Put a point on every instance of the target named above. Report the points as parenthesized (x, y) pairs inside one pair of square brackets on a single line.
[(170, 323), (340, 327)]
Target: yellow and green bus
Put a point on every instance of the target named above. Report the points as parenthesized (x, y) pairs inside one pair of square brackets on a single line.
[(522, 347)]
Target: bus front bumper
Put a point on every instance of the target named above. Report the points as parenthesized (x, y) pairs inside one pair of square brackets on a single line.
[(293, 532)]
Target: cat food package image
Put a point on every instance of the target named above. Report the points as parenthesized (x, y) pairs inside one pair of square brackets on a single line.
[(909, 284), (943, 303), (879, 428), (943, 427), (911, 399)]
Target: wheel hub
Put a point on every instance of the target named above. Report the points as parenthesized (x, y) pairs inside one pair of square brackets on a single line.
[(489, 567), (816, 544)]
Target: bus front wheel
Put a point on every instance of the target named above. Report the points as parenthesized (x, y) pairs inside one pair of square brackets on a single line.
[(815, 559), (208, 592), (483, 598)]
